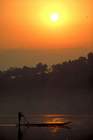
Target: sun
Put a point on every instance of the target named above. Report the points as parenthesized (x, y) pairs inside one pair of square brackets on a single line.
[(54, 17)]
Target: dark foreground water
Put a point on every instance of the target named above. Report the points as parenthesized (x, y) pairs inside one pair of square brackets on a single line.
[(81, 128)]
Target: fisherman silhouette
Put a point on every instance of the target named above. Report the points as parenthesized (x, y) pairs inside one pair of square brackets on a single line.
[(20, 115), (25, 123)]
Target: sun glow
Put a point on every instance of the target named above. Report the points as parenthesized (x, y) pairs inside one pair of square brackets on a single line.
[(47, 24), (55, 17)]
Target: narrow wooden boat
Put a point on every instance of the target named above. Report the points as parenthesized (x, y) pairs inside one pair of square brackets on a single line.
[(45, 124)]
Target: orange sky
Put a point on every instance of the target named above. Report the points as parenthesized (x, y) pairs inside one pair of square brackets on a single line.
[(26, 24)]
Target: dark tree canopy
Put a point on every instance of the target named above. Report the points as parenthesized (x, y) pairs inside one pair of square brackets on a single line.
[(67, 75)]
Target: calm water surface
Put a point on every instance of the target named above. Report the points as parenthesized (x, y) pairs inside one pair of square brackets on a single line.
[(81, 128)]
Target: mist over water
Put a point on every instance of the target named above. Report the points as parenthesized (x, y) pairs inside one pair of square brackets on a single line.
[(47, 101)]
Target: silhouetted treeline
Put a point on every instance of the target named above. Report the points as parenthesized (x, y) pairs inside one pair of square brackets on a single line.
[(70, 74)]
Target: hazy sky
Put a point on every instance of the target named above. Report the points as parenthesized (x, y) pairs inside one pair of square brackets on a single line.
[(28, 33)]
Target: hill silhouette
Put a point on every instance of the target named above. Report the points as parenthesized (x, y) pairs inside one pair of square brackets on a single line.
[(72, 74)]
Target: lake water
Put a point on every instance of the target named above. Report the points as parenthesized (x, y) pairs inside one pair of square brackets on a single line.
[(81, 128)]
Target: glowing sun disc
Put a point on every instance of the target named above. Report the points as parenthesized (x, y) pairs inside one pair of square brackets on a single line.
[(55, 17)]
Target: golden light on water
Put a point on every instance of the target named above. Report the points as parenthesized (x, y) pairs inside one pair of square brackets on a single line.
[(51, 120), (55, 129), (55, 120)]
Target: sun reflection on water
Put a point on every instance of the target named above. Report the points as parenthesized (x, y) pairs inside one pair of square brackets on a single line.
[(55, 120), (54, 129)]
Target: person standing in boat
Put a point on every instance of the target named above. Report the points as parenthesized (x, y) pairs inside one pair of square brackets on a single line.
[(20, 116)]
